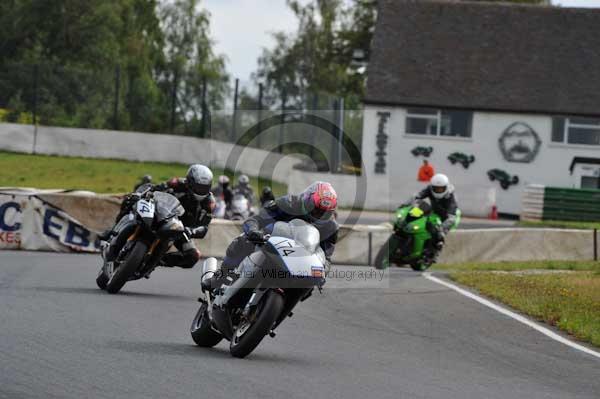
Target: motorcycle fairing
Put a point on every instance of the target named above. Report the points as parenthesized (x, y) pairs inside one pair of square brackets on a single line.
[(298, 261)]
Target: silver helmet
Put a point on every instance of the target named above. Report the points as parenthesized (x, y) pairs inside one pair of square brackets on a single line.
[(199, 179)]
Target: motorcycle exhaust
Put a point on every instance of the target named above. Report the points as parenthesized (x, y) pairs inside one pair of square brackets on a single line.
[(209, 269)]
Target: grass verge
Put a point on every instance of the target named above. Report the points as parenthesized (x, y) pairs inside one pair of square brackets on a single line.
[(569, 301), (515, 266), (560, 224), (98, 175)]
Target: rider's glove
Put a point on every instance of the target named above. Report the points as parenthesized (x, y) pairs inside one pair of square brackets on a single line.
[(256, 236), (199, 232), (442, 235), (132, 199)]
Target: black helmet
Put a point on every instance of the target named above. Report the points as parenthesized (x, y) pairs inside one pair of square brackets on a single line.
[(266, 195), (266, 191), (199, 179)]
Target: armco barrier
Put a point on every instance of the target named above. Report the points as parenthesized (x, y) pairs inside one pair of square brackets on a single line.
[(552, 203), (518, 244), (571, 204), (69, 222)]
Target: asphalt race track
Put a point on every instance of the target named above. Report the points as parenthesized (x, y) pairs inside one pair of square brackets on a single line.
[(61, 337)]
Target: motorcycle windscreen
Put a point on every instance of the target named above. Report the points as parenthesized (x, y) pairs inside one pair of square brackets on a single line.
[(297, 243), (143, 188), (167, 206), (300, 231)]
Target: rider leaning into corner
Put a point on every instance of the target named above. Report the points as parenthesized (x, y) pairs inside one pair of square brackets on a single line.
[(223, 191), (443, 202), (266, 195), (315, 205), (243, 187), (193, 192)]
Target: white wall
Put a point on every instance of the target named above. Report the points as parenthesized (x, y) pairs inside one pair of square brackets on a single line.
[(143, 147), (45, 220), (16, 138), (550, 167)]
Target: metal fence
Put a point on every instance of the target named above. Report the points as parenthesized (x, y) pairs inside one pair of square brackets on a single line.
[(116, 98), (106, 98)]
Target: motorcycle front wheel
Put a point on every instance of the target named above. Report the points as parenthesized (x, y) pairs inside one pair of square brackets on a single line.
[(419, 267), (248, 334), (127, 268), (102, 280), (202, 334)]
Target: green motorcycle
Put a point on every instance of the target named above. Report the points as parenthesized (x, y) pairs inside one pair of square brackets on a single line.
[(410, 244)]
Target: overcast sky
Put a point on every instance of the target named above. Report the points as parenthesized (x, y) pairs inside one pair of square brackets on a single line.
[(241, 28)]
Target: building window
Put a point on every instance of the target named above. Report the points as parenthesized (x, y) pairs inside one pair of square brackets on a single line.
[(437, 122), (576, 130)]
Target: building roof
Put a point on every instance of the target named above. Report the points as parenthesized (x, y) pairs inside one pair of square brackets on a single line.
[(486, 56)]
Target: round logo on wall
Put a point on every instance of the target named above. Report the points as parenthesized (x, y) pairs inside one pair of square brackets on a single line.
[(519, 143)]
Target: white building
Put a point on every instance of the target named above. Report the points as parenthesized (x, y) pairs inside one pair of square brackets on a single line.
[(515, 87)]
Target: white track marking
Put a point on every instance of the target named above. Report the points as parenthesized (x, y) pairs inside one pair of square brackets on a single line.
[(547, 332)]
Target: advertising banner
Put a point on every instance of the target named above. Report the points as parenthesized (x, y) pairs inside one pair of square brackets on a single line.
[(28, 222)]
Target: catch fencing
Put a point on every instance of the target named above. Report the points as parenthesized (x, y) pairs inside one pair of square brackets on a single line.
[(115, 99)]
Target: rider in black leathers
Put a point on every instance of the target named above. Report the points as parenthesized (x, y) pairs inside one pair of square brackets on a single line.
[(223, 191), (245, 189), (266, 195), (315, 205), (193, 192)]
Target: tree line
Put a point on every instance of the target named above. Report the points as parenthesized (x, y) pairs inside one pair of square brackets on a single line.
[(106, 63), (148, 65)]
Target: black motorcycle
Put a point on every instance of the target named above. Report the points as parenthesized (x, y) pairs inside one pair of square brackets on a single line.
[(267, 285), (142, 238)]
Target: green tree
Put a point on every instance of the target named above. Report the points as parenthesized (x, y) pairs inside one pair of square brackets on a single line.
[(190, 58), (319, 57), (78, 45)]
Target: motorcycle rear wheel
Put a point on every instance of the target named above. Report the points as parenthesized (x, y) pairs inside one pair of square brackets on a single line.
[(242, 345), (102, 280), (127, 268)]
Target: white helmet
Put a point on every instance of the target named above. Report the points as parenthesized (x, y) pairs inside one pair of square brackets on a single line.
[(223, 180), (243, 180), (199, 179), (440, 186)]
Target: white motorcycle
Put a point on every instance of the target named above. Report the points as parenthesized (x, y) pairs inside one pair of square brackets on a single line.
[(220, 209), (240, 208), (283, 271)]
